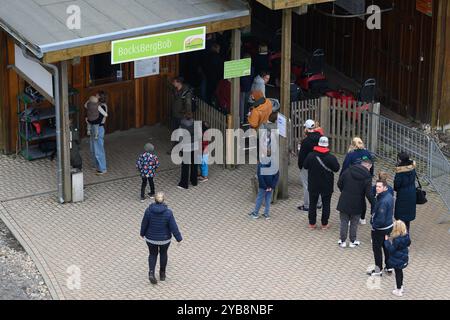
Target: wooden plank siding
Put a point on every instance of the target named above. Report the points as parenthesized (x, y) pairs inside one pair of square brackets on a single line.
[(392, 55), (3, 90)]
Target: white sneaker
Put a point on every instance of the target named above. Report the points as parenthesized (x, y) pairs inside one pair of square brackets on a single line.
[(362, 221), (397, 292), (354, 244), (342, 244)]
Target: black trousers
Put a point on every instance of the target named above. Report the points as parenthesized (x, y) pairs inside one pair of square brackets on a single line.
[(144, 186), (326, 208), (154, 250), (378, 248), (408, 225), (399, 278), (189, 172)]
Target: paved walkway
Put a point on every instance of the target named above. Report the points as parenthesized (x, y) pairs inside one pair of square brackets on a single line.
[(225, 255)]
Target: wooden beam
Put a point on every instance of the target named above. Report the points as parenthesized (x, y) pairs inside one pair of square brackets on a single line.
[(3, 90), (283, 191), (286, 4), (440, 115), (65, 131), (103, 47), (235, 83)]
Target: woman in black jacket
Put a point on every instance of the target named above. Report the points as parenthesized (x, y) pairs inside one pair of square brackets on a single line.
[(157, 228), (405, 186)]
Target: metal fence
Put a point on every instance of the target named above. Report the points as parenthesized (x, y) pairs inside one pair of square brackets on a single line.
[(384, 137)]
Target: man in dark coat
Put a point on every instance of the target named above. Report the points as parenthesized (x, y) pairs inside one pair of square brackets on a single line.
[(307, 146), (382, 221), (321, 166), (355, 185), (405, 186)]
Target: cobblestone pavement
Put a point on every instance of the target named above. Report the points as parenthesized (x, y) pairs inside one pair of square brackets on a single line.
[(225, 255)]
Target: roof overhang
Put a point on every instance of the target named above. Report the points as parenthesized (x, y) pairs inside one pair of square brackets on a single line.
[(286, 4)]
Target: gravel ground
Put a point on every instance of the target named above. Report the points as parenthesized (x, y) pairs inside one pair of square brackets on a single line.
[(19, 277)]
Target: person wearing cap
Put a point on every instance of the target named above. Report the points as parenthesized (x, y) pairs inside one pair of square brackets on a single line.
[(147, 164), (355, 185), (307, 146), (260, 111), (157, 227), (321, 166)]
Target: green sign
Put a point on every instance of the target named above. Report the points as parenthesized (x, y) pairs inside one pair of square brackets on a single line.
[(237, 68), (158, 45)]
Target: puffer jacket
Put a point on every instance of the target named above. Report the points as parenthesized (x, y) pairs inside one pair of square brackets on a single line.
[(383, 212), (405, 186), (399, 253), (159, 224), (261, 113)]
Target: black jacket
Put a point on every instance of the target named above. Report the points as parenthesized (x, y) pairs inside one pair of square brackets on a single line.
[(321, 180), (355, 185), (405, 186), (308, 144)]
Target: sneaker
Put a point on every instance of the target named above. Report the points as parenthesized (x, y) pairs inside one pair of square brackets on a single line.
[(374, 273), (354, 244), (388, 271), (142, 200), (182, 188), (397, 292), (362, 221), (342, 244), (203, 179), (151, 195), (254, 216), (101, 173), (312, 226), (267, 218), (302, 208), (325, 227)]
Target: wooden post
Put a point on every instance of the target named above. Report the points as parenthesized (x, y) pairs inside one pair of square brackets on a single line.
[(283, 191), (324, 114), (65, 132), (235, 88)]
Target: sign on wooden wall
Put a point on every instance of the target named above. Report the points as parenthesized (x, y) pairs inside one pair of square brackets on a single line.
[(425, 6)]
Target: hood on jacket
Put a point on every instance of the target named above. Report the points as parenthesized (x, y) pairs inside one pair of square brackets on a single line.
[(403, 242), (359, 172), (257, 94), (157, 208), (321, 149), (407, 168)]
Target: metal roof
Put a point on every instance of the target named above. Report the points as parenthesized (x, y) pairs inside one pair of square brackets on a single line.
[(42, 23)]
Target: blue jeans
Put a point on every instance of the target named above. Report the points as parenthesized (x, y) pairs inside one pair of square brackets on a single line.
[(98, 150), (263, 194), (204, 166)]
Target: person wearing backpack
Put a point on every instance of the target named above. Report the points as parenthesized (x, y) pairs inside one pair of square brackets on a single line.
[(93, 120), (97, 146)]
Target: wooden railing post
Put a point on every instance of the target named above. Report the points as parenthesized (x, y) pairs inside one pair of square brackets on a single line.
[(374, 121), (324, 114)]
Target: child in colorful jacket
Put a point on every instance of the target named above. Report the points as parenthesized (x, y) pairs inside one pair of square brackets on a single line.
[(147, 164)]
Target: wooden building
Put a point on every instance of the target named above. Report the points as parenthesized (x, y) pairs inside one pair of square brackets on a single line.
[(82, 57)]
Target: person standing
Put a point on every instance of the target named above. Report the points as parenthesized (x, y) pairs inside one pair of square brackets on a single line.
[(182, 103), (405, 186), (398, 253), (97, 146), (267, 184), (260, 82), (157, 228), (356, 153), (147, 164), (307, 146), (261, 111), (189, 166), (355, 185), (321, 166), (382, 222)]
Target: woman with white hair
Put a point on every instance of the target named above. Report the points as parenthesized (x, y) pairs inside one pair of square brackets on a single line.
[(157, 228)]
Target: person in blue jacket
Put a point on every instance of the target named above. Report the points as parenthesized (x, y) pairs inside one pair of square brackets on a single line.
[(399, 253), (405, 186), (382, 221), (382, 175), (267, 183), (157, 228), (356, 153)]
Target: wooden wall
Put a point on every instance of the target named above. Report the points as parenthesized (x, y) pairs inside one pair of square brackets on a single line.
[(392, 55), (132, 103)]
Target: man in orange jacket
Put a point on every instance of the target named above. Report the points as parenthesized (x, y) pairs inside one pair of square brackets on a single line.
[(262, 110)]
